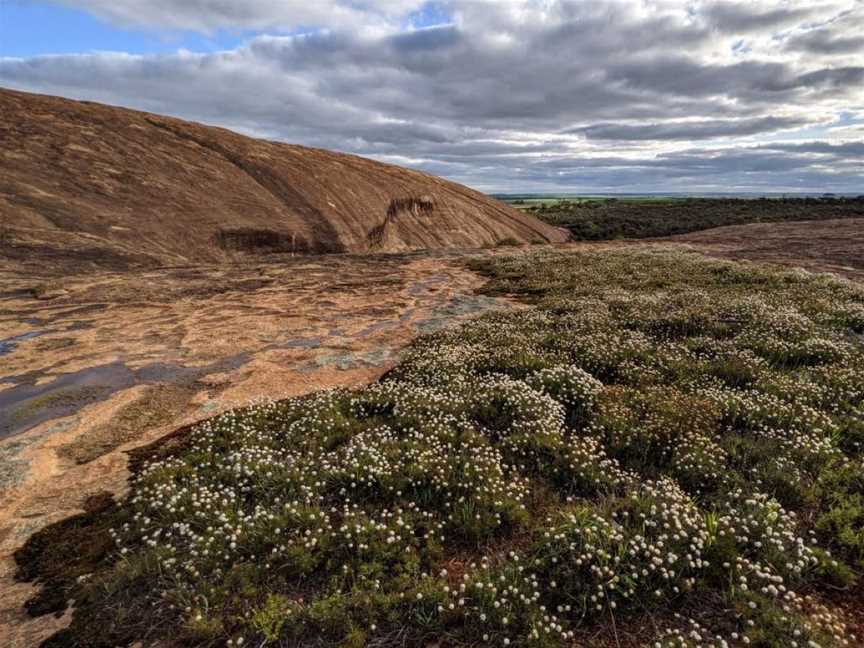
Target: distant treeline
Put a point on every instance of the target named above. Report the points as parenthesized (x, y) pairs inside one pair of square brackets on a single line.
[(611, 218)]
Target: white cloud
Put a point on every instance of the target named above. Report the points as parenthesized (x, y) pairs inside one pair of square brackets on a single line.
[(207, 15), (517, 94)]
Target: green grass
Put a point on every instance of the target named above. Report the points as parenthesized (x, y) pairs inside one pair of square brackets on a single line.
[(657, 434), (590, 219)]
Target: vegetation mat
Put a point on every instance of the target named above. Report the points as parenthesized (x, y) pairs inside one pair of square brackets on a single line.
[(662, 450)]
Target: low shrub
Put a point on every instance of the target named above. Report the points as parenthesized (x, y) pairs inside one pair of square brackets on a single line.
[(655, 435)]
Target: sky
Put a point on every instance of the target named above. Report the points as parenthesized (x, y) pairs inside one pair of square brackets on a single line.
[(503, 95)]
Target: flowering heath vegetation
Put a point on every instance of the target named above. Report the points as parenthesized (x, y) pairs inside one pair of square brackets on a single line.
[(658, 434)]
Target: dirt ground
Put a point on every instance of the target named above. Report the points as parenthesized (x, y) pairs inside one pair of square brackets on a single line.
[(95, 365)]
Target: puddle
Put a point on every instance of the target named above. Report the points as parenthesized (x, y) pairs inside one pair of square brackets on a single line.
[(80, 325), (80, 310), (17, 293), (303, 343), (27, 405), (23, 406), (8, 345)]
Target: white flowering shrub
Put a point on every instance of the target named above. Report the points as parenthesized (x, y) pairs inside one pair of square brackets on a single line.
[(572, 387), (657, 434), (648, 543)]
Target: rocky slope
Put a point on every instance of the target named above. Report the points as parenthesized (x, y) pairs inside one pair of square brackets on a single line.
[(94, 185)]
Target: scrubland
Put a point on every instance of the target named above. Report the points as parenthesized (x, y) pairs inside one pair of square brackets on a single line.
[(605, 219), (658, 436)]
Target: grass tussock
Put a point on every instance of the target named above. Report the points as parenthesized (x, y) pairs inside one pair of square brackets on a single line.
[(659, 435)]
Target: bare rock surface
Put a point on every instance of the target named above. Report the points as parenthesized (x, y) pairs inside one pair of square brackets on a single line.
[(88, 185), (835, 246)]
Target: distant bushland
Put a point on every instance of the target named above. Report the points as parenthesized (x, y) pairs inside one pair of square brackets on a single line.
[(627, 218)]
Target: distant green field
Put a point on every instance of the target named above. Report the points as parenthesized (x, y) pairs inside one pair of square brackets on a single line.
[(604, 218), (527, 202)]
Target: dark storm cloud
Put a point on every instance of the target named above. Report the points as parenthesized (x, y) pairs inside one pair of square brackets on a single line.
[(845, 151), (687, 130), (841, 78), (749, 80), (753, 168), (513, 89), (839, 35), (823, 42)]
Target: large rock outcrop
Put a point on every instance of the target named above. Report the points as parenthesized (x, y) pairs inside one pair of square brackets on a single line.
[(101, 186)]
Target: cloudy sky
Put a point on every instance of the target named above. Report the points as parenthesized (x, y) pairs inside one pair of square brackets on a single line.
[(503, 95)]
